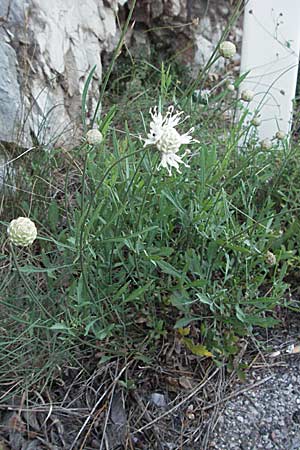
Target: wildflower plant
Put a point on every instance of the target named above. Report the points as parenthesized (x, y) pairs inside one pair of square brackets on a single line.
[(127, 259), (167, 139)]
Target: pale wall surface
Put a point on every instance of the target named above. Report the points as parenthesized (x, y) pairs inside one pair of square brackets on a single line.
[(270, 50)]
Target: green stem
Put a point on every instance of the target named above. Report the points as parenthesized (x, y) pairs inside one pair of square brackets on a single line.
[(30, 291), (112, 63), (214, 56), (142, 209)]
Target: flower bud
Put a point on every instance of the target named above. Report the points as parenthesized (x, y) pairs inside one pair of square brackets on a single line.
[(22, 231), (266, 144), (280, 135), (255, 122), (227, 49), (94, 137), (247, 95), (231, 87), (270, 258)]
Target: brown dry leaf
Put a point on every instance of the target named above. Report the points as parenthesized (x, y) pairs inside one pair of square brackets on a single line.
[(141, 319), (15, 423), (173, 384), (185, 382)]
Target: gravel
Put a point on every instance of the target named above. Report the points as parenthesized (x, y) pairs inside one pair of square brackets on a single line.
[(266, 417)]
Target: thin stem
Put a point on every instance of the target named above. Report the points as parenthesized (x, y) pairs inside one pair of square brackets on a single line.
[(142, 209), (118, 218), (112, 63), (30, 291)]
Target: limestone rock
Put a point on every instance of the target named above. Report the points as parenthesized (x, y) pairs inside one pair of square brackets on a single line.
[(10, 99), (48, 48)]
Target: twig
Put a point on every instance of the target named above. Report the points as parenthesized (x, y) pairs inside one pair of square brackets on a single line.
[(17, 157), (91, 426), (96, 406), (193, 392), (214, 416), (148, 417), (235, 394), (107, 416)]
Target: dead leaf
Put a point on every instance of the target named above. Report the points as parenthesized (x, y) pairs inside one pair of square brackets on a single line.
[(293, 349), (15, 423), (173, 384), (185, 382), (141, 319), (116, 430), (197, 349), (184, 331), (117, 411)]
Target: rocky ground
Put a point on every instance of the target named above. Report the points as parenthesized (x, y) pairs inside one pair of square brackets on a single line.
[(183, 405), (265, 417)]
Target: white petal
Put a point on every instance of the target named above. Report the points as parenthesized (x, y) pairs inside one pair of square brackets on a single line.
[(167, 139)]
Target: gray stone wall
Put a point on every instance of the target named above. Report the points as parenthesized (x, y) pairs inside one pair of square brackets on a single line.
[(48, 47)]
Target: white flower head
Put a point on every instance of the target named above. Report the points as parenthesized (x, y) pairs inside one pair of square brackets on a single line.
[(231, 87), (94, 137), (280, 135), (256, 122), (266, 144), (270, 258), (247, 95), (227, 49), (22, 231), (167, 139)]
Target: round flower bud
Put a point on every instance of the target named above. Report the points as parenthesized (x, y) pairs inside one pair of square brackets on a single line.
[(22, 231), (280, 135), (270, 258), (266, 144), (255, 122), (94, 137), (231, 87), (227, 49), (247, 95)]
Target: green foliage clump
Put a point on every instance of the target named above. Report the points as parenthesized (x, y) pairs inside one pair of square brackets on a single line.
[(127, 257)]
